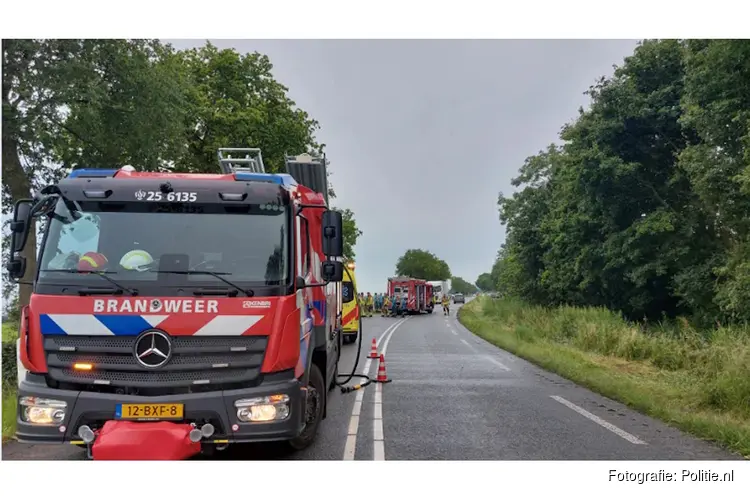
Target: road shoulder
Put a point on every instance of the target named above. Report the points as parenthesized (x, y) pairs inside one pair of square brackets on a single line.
[(634, 385)]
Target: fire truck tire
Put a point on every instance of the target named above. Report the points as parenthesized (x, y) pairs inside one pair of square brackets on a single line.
[(317, 396)]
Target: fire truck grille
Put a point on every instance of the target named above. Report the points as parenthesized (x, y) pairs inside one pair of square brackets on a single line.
[(195, 362)]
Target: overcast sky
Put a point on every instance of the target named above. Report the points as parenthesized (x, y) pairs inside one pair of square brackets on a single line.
[(423, 135)]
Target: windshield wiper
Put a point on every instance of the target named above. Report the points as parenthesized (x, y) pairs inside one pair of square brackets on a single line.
[(100, 291), (101, 274), (247, 292)]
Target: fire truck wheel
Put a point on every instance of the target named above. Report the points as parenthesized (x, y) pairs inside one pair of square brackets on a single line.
[(313, 412)]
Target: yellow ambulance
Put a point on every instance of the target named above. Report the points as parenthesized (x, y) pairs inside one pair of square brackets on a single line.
[(350, 312)]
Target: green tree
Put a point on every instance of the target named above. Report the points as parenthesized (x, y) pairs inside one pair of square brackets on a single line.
[(484, 282), (351, 233), (107, 103), (460, 285), (644, 208), (716, 105), (422, 264), (235, 101), (99, 103)]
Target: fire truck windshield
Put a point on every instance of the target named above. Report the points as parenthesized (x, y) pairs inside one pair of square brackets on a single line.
[(133, 242)]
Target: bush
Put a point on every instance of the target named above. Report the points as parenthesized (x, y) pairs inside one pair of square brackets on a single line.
[(9, 363)]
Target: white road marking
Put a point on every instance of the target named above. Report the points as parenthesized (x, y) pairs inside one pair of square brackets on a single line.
[(625, 435), (377, 430), (378, 438), (353, 425), (378, 410), (377, 423), (464, 341), (498, 363), (389, 335), (482, 341), (351, 439)]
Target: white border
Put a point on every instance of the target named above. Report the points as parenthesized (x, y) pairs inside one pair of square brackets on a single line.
[(297, 19), (383, 19)]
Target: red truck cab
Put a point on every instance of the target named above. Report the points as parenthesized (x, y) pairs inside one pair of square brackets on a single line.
[(211, 301)]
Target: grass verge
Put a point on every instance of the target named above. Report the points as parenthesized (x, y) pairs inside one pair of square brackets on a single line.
[(9, 412), (9, 336), (697, 381)]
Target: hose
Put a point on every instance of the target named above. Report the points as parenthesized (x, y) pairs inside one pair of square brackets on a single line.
[(354, 374)]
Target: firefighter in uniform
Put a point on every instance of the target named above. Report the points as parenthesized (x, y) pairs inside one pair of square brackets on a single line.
[(446, 304), (369, 305)]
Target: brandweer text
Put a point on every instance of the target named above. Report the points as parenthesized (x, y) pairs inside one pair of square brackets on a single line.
[(156, 306)]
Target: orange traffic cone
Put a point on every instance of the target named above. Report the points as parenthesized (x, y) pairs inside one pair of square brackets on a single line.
[(373, 350), (382, 377)]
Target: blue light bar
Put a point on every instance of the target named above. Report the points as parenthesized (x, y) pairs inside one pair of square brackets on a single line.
[(281, 179), (91, 172)]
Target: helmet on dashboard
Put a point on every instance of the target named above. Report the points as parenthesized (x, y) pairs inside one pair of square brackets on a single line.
[(136, 260)]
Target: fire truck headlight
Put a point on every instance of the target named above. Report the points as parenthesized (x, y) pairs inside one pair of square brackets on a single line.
[(42, 411), (263, 409)]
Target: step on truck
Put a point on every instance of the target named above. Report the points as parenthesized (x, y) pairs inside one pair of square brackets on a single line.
[(178, 313)]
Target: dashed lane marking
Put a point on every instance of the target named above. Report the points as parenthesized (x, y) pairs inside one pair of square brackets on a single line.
[(497, 362), (625, 435), (489, 358), (378, 438), (350, 446)]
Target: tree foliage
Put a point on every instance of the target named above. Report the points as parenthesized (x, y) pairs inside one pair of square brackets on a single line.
[(422, 264), (460, 285), (351, 233), (644, 208), (485, 282), (108, 103), (234, 101)]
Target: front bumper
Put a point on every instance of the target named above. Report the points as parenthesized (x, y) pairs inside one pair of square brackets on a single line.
[(216, 407)]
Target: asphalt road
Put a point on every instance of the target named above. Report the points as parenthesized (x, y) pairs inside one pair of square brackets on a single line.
[(454, 396)]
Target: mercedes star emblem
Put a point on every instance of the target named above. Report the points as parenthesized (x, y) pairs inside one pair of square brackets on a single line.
[(153, 349)]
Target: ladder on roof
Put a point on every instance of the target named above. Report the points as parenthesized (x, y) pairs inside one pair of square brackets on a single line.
[(252, 161)]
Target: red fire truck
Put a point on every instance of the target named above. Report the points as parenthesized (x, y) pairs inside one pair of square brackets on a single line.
[(178, 312), (418, 293)]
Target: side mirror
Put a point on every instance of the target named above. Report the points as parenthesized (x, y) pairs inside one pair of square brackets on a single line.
[(20, 225), (16, 267), (333, 234), (332, 271), (19, 234)]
